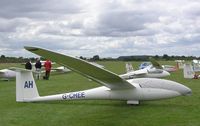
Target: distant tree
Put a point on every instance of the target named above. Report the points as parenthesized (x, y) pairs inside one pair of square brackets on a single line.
[(3, 56), (83, 58), (96, 57), (183, 57), (166, 57), (156, 57), (20, 58)]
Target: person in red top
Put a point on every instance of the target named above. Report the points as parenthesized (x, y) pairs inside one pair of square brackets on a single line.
[(47, 66)]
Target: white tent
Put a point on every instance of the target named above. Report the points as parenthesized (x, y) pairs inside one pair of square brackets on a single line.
[(188, 71), (196, 65), (180, 63)]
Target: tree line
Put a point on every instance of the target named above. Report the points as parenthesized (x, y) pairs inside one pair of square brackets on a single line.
[(4, 59), (156, 57), (143, 58)]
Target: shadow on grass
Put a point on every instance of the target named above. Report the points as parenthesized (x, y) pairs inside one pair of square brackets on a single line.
[(113, 103)]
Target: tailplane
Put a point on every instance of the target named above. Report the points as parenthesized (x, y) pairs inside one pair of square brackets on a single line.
[(26, 88)]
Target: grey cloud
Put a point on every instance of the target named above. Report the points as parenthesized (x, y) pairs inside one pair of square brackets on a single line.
[(122, 23), (108, 28), (194, 39), (192, 10), (38, 8), (11, 24)]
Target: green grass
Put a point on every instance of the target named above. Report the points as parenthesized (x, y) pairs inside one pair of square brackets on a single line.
[(180, 111)]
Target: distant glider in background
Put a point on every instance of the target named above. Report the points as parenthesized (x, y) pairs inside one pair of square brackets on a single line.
[(113, 87), (149, 72), (154, 63), (6, 74), (168, 68), (144, 65)]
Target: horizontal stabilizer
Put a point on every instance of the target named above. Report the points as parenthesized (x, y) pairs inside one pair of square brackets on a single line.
[(20, 69)]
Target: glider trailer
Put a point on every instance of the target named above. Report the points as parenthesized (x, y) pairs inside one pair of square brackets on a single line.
[(113, 86)]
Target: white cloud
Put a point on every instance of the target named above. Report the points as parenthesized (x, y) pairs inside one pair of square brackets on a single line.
[(104, 27)]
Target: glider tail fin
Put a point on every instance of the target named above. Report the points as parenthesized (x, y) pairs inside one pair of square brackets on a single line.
[(188, 71), (155, 63), (129, 67), (26, 88)]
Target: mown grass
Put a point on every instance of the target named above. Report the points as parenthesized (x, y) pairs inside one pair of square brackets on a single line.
[(180, 111)]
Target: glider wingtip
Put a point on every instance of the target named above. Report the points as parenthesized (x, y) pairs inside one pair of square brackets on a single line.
[(31, 48)]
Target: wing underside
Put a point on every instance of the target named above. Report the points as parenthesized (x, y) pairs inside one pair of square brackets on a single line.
[(102, 76)]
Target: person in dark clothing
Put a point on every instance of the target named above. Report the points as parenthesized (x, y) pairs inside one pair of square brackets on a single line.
[(47, 66), (38, 66), (28, 65)]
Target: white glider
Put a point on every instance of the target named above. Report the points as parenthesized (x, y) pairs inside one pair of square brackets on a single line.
[(169, 68), (6, 74), (113, 87), (154, 63), (149, 72)]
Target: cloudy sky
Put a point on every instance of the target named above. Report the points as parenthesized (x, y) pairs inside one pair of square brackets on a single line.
[(109, 28)]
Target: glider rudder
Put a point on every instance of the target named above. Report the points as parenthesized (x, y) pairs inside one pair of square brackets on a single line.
[(26, 88)]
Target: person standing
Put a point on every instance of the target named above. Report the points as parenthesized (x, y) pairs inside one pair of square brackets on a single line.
[(38, 67), (47, 66), (28, 65)]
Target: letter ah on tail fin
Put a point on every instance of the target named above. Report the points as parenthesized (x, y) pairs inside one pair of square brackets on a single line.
[(26, 89)]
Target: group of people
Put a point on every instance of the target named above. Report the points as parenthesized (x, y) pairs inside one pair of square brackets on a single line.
[(38, 67)]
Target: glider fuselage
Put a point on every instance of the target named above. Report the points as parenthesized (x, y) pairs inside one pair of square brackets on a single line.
[(142, 91)]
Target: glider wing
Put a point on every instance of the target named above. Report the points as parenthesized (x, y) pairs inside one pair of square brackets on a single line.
[(102, 76)]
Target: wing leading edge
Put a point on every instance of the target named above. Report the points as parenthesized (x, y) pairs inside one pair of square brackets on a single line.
[(102, 76)]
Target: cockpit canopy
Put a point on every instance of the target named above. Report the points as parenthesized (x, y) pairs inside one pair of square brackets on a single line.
[(160, 84)]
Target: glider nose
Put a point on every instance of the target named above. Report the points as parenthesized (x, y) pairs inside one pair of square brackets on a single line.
[(187, 91), (180, 88)]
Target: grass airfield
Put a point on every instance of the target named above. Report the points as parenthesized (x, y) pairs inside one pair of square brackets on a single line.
[(180, 111)]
